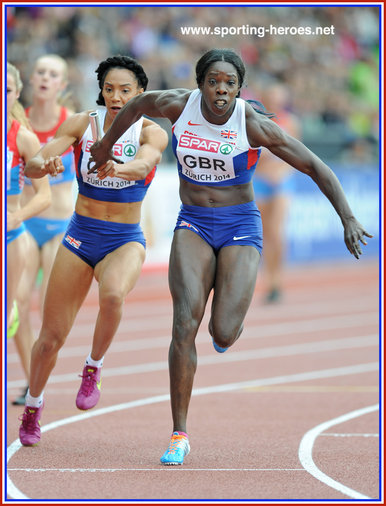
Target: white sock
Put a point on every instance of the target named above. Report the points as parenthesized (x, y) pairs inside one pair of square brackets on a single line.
[(94, 363), (33, 402)]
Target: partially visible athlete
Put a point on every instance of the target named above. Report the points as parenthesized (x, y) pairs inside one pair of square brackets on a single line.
[(48, 82), (22, 145), (273, 185)]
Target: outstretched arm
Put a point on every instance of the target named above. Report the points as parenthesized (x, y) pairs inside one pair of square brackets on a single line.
[(155, 104), (264, 132), (28, 144), (48, 159), (153, 142)]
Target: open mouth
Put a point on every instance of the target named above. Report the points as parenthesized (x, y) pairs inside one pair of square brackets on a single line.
[(220, 103)]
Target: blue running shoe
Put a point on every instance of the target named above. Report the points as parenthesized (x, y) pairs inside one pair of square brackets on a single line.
[(177, 449), (218, 348)]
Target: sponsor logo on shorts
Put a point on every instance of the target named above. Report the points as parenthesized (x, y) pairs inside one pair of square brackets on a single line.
[(238, 238)]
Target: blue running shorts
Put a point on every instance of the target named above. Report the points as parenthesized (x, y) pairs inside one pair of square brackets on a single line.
[(266, 190), (45, 229), (224, 226), (91, 239), (14, 234)]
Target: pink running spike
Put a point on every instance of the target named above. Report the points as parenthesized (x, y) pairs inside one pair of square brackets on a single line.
[(89, 391), (29, 431)]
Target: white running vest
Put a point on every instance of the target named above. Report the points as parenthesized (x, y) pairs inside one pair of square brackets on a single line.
[(213, 155), (111, 189)]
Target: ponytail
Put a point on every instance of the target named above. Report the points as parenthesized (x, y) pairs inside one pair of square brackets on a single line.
[(18, 112), (259, 107)]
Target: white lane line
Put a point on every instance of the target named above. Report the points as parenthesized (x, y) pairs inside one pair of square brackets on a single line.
[(236, 356), (307, 443), (254, 329), (335, 300), (355, 434), (161, 468), (325, 322), (15, 493)]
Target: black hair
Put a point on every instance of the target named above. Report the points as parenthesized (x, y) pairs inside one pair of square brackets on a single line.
[(124, 62), (229, 56)]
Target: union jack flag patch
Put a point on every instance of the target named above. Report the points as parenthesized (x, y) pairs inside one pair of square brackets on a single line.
[(188, 225), (229, 134), (73, 241)]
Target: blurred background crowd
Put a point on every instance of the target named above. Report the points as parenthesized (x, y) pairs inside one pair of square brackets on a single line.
[(332, 79)]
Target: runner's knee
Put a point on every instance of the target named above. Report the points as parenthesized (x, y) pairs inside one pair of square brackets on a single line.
[(223, 333), (111, 300), (50, 343)]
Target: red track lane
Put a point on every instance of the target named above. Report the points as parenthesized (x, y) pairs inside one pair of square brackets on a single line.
[(289, 412)]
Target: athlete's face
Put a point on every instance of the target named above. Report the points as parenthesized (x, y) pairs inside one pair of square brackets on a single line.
[(219, 90), (48, 78), (119, 87), (12, 93)]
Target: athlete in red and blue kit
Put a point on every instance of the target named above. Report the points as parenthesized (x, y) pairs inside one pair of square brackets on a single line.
[(43, 228), (104, 239), (15, 174)]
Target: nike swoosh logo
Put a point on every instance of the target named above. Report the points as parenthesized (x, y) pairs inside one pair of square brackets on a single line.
[(193, 124), (241, 237)]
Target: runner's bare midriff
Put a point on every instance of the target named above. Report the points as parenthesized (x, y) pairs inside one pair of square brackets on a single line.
[(210, 196), (119, 212)]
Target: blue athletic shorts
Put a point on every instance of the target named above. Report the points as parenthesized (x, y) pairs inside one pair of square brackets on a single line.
[(91, 239), (13, 234), (265, 189), (224, 226), (44, 229)]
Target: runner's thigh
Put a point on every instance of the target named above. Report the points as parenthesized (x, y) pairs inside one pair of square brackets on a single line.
[(68, 285), (235, 284), (191, 272)]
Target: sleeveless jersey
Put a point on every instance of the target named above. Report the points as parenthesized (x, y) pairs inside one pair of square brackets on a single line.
[(15, 163), (68, 156), (111, 189), (213, 155)]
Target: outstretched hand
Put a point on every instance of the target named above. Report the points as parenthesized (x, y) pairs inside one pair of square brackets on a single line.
[(52, 166), (354, 233), (109, 169), (100, 155)]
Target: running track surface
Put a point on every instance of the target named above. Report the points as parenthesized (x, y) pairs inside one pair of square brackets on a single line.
[(290, 412)]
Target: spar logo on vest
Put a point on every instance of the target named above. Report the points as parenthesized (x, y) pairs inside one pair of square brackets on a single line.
[(127, 148), (207, 145), (130, 150)]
